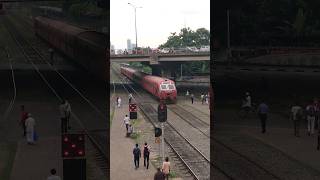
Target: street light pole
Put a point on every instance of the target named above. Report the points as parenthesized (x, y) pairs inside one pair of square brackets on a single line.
[(135, 22)]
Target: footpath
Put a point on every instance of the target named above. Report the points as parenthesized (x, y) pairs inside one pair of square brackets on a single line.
[(121, 147)]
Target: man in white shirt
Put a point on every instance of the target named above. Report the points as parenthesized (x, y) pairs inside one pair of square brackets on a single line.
[(53, 176), (126, 121), (296, 116), (30, 123), (119, 102)]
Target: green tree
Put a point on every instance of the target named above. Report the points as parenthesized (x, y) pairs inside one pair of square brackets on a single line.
[(188, 37)]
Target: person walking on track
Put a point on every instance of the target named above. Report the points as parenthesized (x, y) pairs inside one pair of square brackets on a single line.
[(311, 117), (24, 116), (296, 116), (30, 124), (146, 153), (166, 168), (202, 98), (126, 121), (263, 115), (136, 156), (192, 98)]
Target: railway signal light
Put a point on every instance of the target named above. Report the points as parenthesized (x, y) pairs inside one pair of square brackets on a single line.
[(162, 112), (157, 132), (133, 111), (73, 145), (133, 115)]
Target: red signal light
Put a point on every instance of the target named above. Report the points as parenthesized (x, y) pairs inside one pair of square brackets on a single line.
[(66, 153), (73, 145), (65, 139), (80, 152)]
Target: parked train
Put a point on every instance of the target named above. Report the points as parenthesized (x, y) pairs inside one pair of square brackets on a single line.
[(161, 88), (86, 48)]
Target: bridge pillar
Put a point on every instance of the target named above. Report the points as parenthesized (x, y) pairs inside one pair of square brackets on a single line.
[(156, 70)]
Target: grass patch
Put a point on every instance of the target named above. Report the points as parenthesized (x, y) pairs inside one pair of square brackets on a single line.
[(7, 154), (172, 174), (135, 136), (111, 115)]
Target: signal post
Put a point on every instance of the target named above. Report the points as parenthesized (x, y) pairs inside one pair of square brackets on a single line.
[(73, 154), (162, 117)]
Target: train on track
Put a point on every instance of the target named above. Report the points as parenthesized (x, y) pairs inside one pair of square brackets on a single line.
[(85, 47), (162, 88)]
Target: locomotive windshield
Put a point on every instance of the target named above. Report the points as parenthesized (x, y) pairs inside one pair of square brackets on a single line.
[(163, 87), (171, 87)]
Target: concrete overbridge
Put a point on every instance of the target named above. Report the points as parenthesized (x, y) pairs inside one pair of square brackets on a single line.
[(166, 62)]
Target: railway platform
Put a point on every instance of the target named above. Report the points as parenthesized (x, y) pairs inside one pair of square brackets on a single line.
[(121, 157), (33, 162)]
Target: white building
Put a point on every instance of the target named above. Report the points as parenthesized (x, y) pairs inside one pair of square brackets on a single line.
[(129, 45)]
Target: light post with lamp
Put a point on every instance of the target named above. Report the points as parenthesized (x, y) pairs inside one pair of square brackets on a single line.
[(135, 23)]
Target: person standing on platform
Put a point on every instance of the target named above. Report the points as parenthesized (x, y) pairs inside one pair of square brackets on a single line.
[(136, 156), (296, 116), (130, 98), (126, 121), (119, 102), (68, 113), (159, 175), (64, 111), (24, 116), (311, 116), (146, 153), (166, 168), (192, 98), (187, 94), (53, 175), (263, 110), (30, 123)]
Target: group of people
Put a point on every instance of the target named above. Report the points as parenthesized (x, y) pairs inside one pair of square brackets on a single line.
[(27, 122), (162, 173), (204, 97), (310, 113)]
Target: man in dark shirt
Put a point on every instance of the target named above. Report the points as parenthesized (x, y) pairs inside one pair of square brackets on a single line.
[(136, 156), (159, 175)]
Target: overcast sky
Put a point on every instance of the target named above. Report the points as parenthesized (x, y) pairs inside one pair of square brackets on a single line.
[(155, 20)]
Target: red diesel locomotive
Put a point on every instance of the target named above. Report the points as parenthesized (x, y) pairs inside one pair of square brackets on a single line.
[(161, 88)]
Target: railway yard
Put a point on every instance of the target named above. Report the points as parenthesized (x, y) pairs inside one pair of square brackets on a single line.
[(187, 131), (241, 151), (29, 78)]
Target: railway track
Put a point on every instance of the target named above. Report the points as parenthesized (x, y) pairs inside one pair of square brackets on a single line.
[(12, 101), (224, 154), (34, 57), (195, 162)]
